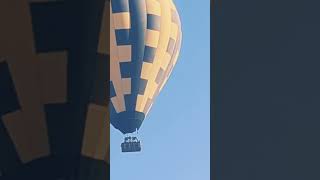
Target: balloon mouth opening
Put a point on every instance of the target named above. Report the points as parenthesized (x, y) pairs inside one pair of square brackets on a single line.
[(127, 122)]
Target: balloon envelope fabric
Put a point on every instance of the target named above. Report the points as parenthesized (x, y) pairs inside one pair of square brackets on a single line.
[(23, 128), (54, 66), (145, 43)]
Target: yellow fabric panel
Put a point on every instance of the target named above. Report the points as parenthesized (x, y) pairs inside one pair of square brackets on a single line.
[(115, 74), (26, 127), (152, 38), (176, 55), (153, 7), (114, 101), (164, 82), (126, 84), (165, 61), (172, 5), (139, 101), (96, 133), (117, 82), (148, 106), (152, 86), (125, 55), (16, 28), (25, 135), (167, 74), (114, 49), (174, 31), (165, 31), (121, 20), (173, 61), (146, 67), (174, 8)]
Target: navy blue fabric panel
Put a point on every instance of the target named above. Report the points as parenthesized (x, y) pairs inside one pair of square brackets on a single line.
[(130, 100), (153, 22), (142, 86), (149, 54), (9, 158), (51, 23), (119, 6), (122, 36), (47, 168), (92, 169), (125, 69), (126, 122), (8, 98), (113, 115), (100, 91), (112, 90), (137, 35)]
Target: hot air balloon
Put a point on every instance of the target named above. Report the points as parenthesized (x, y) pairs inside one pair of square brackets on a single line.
[(145, 42), (54, 115)]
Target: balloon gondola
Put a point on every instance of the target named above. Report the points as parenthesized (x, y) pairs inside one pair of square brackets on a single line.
[(145, 41), (131, 144)]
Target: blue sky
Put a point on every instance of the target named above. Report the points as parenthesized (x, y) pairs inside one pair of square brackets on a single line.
[(176, 133)]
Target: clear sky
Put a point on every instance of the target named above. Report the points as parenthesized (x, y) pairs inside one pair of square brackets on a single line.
[(176, 133)]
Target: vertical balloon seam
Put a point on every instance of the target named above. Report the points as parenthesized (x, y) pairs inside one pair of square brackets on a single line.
[(140, 23), (173, 59), (9, 155), (88, 150), (165, 30), (145, 98), (152, 20), (165, 68), (135, 39), (118, 54), (113, 66), (146, 49), (132, 42), (175, 54)]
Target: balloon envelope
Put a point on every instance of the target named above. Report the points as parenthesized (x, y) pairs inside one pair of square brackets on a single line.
[(145, 43)]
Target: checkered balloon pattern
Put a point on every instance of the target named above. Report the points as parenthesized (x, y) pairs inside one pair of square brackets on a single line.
[(145, 40)]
